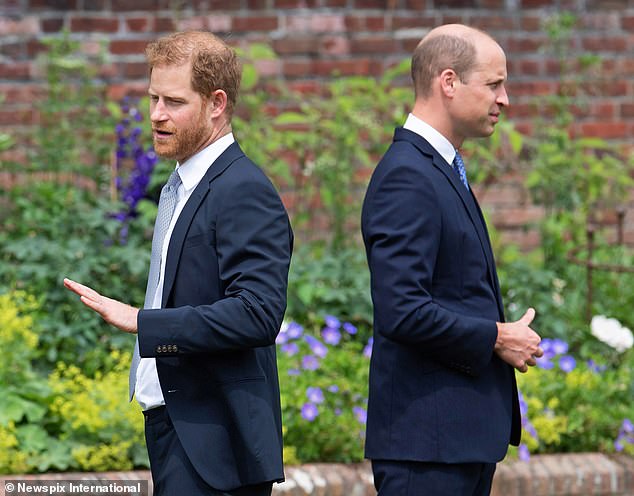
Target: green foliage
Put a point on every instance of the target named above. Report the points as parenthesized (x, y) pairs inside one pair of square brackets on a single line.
[(322, 146), (74, 133), (569, 410), (52, 231), (323, 282), (324, 395)]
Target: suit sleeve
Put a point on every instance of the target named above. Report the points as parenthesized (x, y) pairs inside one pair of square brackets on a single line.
[(402, 228), (254, 243)]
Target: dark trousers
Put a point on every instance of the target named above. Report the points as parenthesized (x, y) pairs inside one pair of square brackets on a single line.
[(402, 478), (172, 472)]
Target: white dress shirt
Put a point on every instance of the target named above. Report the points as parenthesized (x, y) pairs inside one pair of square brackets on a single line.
[(435, 139), (148, 388)]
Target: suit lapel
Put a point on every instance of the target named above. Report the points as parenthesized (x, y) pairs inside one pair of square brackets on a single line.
[(466, 196), (186, 216)]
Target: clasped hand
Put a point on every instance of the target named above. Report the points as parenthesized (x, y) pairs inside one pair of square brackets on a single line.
[(517, 344)]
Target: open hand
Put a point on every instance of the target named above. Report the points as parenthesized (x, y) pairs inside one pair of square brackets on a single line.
[(112, 311)]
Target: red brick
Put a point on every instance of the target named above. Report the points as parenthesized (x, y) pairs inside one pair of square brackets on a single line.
[(418, 4), (530, 66), (627, 110), (257, 4), (52, 4), (134, 70), (364, 23), (297, 68), (164, 24), (604, 21), (13, 50), (492, 22), (94, 24), (52, 24), (532, 88), (149, 5), (128, 47), (604, 44), (403, 22), (527, 4), (607, 129), (371, 4), (138, 24), (15, 70), (255, 23), (517, 110), (335, 3), (295, 45), (288, 4), (357, 67), (532, 44), (530, 23), (220, 4), (21, 93), (335, 45), (374, 45), (627, 22), (35, 48), (455, 3), (13, 117)]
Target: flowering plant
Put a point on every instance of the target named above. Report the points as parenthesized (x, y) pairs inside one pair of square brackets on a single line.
[(612, 333), (323, 382), (563, 403)]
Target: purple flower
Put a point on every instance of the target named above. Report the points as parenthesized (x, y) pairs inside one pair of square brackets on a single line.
[(523, 453), (547, 345), (618, 445), (367, 351), (309, 411), (294, 330), (567, 363), (331, 335), (559, 347), (310, 362), (290, 349), (595, 367), (544, 362), (627, 426), (337, 412), (316, 346), (294, 371), (282, 337), (332, 321), (361, 414), (333, 389), (315, 395), (349, 328)]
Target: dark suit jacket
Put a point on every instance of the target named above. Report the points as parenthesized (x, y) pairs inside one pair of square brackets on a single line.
[(438, 393), (224, 298)]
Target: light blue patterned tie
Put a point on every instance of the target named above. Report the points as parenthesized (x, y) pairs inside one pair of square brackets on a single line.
[(166, 206), (458, 166)]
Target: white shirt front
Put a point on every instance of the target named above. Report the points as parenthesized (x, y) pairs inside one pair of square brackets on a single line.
[(148, 388), (435, 139)]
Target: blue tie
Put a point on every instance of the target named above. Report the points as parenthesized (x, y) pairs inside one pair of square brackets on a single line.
[(458, 166)]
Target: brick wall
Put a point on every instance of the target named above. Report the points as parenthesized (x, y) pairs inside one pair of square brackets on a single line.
[(315, 38), (578, 474)]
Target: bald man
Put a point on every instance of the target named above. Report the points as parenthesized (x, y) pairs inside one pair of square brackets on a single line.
[(443, 403)]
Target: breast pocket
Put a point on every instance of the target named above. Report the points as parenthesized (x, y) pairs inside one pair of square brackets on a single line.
[(207, 238)]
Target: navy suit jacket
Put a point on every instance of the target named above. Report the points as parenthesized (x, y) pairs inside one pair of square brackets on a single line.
[(224, 298), (438, 392)]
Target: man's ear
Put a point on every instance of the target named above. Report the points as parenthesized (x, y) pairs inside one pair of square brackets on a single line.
[(218, 103), (448, 82)]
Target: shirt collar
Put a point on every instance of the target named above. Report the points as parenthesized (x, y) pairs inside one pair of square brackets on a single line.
[(194, 168), (435, 139)]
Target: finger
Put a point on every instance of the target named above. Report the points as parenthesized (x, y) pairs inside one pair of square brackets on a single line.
[(528, 317), (523, 368), (95, 305), (531, 362), (81, 290), (538, 353)]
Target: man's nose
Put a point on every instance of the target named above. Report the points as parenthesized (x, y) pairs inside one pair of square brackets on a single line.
[(503, 97)]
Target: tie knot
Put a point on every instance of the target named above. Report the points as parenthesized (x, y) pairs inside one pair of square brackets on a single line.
[(173, 181)]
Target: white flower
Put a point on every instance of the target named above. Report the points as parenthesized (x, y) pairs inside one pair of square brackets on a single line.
[(612, 333)]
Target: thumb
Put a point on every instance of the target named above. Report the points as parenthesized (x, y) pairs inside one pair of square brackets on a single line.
[(528, 317)]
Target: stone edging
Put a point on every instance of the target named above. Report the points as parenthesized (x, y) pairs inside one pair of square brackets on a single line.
[(579, 474)]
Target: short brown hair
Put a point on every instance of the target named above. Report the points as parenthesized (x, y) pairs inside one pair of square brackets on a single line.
[(215, 65), (437, 53)]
